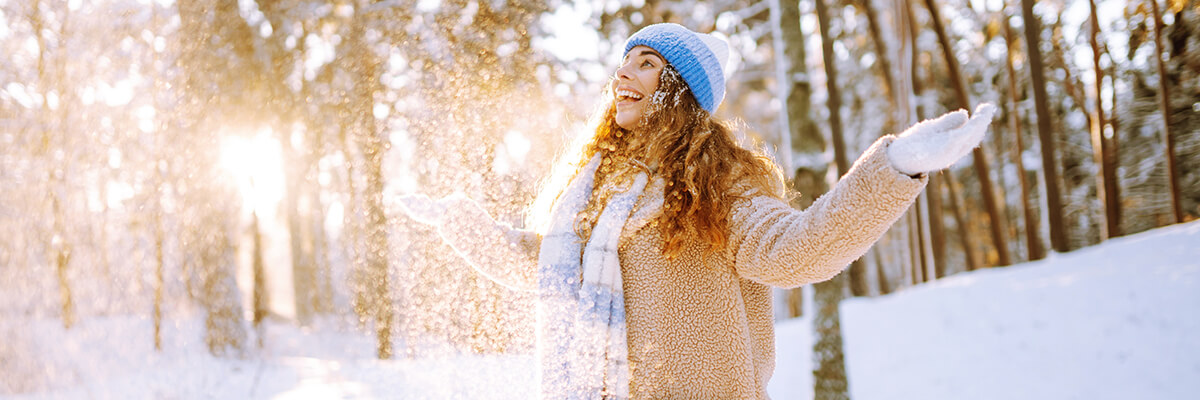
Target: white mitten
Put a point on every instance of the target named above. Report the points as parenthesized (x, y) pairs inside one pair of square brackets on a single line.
[(936, 144), (423, 209)]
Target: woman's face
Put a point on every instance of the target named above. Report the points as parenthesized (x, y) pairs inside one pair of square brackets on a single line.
[(636, 80)]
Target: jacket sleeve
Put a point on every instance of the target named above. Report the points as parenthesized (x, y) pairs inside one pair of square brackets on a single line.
[(504, 254), (775, 244)]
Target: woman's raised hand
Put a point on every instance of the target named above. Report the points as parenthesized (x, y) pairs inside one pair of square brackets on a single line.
[(936, 144)]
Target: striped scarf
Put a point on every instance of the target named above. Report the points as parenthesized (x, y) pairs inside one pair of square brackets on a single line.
[(581, 340)]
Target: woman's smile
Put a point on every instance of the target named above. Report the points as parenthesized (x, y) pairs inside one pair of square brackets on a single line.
[(626, 96)]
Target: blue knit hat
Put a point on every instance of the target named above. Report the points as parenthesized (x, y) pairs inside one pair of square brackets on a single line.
[(700, 58)]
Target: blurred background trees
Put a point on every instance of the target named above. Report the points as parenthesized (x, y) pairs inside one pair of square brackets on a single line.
[(146, 144)]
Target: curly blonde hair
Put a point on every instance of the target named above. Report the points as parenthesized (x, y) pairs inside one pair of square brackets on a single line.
[(704, 168)]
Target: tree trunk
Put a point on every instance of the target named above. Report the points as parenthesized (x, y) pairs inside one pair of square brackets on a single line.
[(909, 82), (1106, 162), (858, 276), (158, 266), (882, 280), (372, 147), (105, 257), (829, 370), (224, 332), (881, 55), (988, 190), (937, 229), (353, 235), (157, 214), (956, 203), (62, 257), (213, 253), (304, 269), (778, 48), (909, 30), (922, 211), (800, 133), (795, 302), (1164, 103), (59, 246), (1114, 121), (1058, 235), (260, 299), (829, 366), (1032, 225), (835, 100), (803, 132), (323, 296), (913, 222), (377, 245)]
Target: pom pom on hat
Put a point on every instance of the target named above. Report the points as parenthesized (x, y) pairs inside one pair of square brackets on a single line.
[(700, 58)]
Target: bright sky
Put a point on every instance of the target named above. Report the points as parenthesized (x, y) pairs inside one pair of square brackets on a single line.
[(571, 37)]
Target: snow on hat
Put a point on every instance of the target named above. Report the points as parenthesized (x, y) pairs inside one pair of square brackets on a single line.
[(700, 58)]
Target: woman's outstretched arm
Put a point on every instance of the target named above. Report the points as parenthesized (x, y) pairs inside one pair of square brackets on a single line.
[(773, 243), (504, 254)]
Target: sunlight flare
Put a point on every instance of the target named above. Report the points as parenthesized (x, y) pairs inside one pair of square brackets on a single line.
[(255, 162)]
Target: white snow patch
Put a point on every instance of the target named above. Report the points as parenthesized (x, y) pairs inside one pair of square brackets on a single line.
[(793, 378), (114, 358), (1113, 321)]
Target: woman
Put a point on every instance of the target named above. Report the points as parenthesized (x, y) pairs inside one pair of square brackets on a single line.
[(653, 271)]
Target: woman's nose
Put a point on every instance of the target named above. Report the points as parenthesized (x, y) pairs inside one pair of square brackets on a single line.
[(623, 72)]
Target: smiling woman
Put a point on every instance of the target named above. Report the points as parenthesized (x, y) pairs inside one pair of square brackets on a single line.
[(255, 162)]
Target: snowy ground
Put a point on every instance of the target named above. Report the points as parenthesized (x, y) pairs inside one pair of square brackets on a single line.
[(114, 359), (1113, 321)]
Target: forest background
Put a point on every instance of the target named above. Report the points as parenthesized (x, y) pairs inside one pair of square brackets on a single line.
[(238, 158)]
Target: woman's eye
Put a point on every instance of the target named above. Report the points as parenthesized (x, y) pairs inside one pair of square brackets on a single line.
[(647, 63)]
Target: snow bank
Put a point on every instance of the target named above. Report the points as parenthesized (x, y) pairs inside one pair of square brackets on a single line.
[(1114, 321)]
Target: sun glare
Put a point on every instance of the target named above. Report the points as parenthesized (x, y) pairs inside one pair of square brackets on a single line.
[(255, 162)]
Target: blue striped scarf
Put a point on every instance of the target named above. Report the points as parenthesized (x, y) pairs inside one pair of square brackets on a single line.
[(582, 343)]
